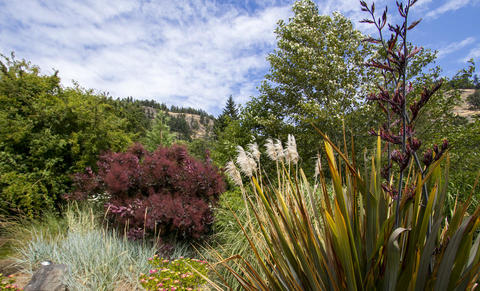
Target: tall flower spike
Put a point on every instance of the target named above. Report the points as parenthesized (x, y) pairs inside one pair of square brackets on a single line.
[(279, 149), (291, 154), (233, 172), (246, 162), (253, 148), (271, 151)]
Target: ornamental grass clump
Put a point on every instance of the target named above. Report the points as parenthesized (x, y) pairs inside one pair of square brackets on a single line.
[(308, 238), (98, 258), (178, 274)]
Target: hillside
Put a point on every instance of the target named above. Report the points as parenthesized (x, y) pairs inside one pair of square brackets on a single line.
[(464, 109), (201, 126)]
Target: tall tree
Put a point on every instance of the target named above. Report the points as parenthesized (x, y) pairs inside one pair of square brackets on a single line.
[(316, 75), (229, 113)]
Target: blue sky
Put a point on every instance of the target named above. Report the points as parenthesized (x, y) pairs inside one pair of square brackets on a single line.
[(192, 52)]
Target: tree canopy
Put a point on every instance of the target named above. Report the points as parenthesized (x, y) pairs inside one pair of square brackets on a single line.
[(48, 132)]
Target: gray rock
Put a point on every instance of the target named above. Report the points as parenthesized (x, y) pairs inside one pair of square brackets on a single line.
[(48, 278)]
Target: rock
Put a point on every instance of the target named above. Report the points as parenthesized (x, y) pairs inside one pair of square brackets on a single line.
[(48, 278)]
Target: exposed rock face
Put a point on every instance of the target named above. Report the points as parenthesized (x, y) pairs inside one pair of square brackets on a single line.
[(48, 278)]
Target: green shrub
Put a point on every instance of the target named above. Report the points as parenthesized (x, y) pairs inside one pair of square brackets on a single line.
[(47, 132), (178, 274)]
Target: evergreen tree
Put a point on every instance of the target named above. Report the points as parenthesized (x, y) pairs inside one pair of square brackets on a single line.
[(160, 134), (231, 109), (229, 113)]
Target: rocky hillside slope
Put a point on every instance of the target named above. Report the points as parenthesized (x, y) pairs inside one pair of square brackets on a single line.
[(464, 109), (201, 126)]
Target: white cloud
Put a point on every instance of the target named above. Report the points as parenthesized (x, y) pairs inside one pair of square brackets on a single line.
[(450, 5), (190, 53), (455, 46), (473, 54)]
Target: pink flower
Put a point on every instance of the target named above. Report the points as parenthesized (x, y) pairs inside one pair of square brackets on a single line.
[(176, 281), (153, 271)]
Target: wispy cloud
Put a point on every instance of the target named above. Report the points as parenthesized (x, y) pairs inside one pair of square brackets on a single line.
[(455, 46), (450, 5), (473, 54), (190, 53)]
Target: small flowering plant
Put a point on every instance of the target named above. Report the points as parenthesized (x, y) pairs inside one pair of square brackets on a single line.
[(178, 274), (8, 283)]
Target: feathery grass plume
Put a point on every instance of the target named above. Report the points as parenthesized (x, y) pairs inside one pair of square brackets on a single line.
[(291, 154), (233, 172), (279, 149), (253, 148), (246, 162), (271, 150)]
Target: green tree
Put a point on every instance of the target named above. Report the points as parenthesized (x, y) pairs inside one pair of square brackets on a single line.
[(316, 75), (159, 134), (229, 113), (47, 133)]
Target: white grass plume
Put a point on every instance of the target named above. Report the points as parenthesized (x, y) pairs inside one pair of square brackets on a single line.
[(279, 149), (233, 172), (291, 154), (271, 150), (253, 149), (246, 162)]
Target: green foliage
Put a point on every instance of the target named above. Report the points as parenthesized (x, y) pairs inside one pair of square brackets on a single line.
[(159, 134), (178, 274), (310, 239), (230, 113), (464, 78), (137, 121), (47, 132), (474, 99), (228, 239), (179, 124), (316, 75), (235, 133), (200, 148)]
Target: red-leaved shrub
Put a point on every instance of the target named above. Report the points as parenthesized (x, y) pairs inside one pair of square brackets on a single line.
[(166, 191)]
